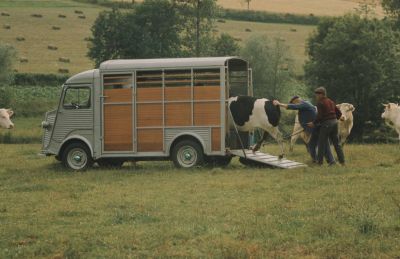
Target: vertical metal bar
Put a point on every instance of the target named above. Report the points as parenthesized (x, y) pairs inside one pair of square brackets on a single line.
[(135, 114), (102, 123), (192, 95), (222, 108), (163, 107), (133, 79)]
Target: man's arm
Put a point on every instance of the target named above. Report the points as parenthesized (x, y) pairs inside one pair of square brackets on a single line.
[(277, 103)]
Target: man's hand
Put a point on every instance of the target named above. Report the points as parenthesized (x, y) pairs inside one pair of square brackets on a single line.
[(276, 102), (311, 124)]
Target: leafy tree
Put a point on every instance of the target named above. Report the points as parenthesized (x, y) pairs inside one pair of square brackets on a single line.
[(153, 29), (357, 60), (198, 19), (248, 4), (225, 45), (7, 59), (107, 37), (272, 66), (392, 7)]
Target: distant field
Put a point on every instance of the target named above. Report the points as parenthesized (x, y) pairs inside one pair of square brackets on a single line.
[(69, 40), (316, 7), (295, 36), (38, 34), (154, 210)]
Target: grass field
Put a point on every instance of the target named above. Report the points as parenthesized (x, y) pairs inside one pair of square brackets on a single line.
[(154, 210)]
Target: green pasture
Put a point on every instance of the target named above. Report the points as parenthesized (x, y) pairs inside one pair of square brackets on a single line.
[(152, 209)]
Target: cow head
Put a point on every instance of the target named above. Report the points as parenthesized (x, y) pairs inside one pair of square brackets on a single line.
[(346, 109), (390, 110), (5, 115)]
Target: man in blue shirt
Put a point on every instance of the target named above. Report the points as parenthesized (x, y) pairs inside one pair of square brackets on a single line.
[(308, 113)]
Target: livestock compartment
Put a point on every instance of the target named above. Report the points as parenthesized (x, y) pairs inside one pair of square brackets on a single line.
[(148, 109)]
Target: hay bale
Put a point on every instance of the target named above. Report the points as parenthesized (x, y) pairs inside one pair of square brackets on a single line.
[(23, 60), (64, 59), (52, 47), (5, 14), (247, 30), (82, 17), (56, 28), (293, 29), (7, 26), (37, 15), (20, 38), (221, 21), (63, 70), (62, 16), (78, 12), (237, 39)]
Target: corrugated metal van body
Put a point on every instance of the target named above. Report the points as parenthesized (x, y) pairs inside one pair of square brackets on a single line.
[(72, 121)]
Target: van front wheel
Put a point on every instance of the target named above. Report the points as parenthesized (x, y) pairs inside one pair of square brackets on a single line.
[(77, 157), (187, 154)]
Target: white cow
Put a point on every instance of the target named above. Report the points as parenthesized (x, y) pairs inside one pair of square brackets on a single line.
[(347, 121), (345, 126), (5, 121), (392, 116)]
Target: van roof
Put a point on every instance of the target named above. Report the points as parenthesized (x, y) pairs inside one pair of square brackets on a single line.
[(122, 64)]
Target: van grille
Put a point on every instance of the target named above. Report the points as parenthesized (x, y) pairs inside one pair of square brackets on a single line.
[(50, 118)]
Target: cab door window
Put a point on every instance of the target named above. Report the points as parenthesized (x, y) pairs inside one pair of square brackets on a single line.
[(77, 98)]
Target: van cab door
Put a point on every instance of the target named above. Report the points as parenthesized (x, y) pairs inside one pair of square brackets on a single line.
[(75, 113)]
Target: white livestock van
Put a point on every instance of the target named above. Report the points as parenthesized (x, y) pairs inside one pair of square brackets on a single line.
[(147, 109)]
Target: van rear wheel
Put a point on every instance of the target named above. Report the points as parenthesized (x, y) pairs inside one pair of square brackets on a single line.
[(77, 157), (187, 154)]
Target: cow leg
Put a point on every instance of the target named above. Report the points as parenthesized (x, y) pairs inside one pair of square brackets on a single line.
[(277, 135), (293, 140), (257, 146)]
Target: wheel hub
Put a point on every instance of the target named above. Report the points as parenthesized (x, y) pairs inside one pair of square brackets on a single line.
[(78, 158), (187, 156)]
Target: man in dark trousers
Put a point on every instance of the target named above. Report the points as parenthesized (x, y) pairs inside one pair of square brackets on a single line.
[(307, 113), (327, 118)]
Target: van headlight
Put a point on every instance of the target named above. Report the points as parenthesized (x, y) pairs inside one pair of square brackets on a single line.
[(45, 125)]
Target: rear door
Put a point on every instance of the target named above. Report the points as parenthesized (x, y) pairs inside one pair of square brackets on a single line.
[(118, 113)]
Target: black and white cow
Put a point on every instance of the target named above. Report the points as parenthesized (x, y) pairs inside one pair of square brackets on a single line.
[(250, 113)]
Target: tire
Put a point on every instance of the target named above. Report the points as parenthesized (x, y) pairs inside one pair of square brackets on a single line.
[(110, 162), (187, 154), (76, 156), (218, 161)]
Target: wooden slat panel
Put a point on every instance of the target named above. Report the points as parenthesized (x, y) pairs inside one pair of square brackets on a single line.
[(118, 95), (178, 93), (178, 114), (207, 114), (118, 128), (207, 92), (216, 139), (150, 140), (149, 115), (149, 94)]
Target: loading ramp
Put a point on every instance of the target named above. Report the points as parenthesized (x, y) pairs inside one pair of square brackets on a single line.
[(266, 159)]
